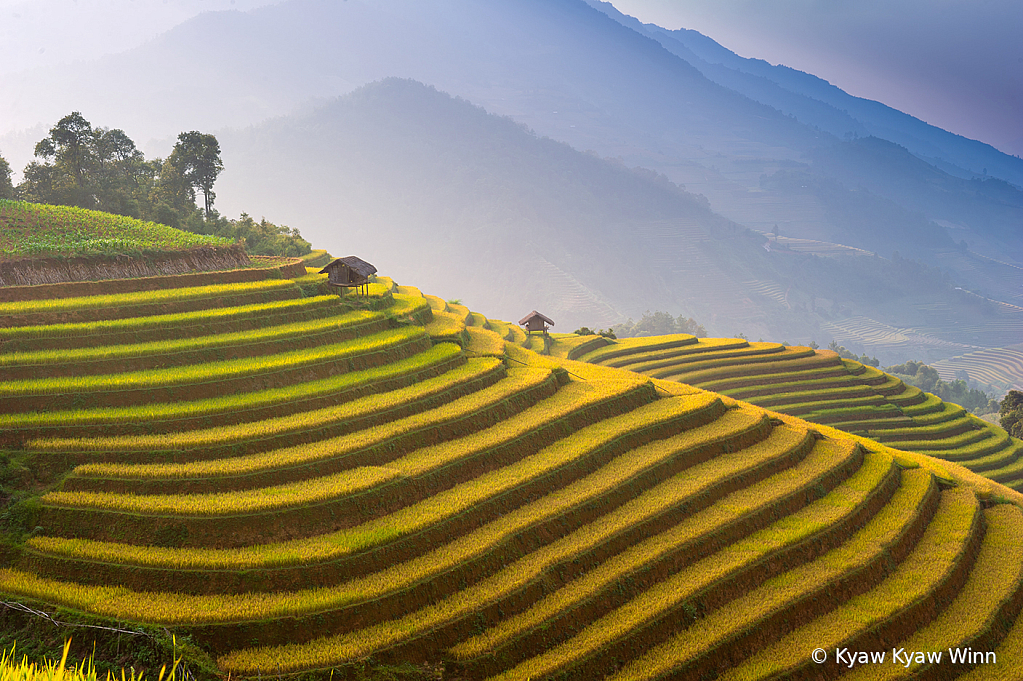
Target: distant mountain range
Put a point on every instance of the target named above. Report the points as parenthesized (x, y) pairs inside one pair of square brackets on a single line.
[(433, 189), (770, 148), (817, 102)]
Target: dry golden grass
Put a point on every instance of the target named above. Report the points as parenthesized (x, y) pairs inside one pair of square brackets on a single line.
[(627, 346), (261, 500), (209, 343), (157, 297), (682, 488), (171, 608), (405, 521), (483, 342)]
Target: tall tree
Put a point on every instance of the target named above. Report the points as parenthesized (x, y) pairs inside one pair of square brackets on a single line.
[(123, 177), (41, 183), (6, 188), (197, 155), (119, 154), (71, 145)]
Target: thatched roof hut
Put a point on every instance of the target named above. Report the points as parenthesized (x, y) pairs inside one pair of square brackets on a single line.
[(348, 272), (535, 321)]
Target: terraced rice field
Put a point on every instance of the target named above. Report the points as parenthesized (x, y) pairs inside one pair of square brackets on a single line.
[(303, 484), (1002, 367), (822, 388), (769, 289), (822, 248), (879, 337)]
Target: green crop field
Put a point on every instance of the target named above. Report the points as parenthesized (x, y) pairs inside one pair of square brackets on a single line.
[(310, 485), (36, 229)]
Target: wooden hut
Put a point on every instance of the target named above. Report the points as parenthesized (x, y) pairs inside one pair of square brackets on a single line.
[(535, 321), (349, 272)]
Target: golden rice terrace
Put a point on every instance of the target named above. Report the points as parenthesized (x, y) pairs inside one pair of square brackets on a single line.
[(303, 485), (820, 387)]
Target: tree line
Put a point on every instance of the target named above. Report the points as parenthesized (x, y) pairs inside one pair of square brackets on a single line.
[(958, 392), (659, 324), (102, 169)]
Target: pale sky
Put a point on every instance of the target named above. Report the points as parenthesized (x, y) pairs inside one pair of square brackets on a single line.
[(47, 32), (957, 64)]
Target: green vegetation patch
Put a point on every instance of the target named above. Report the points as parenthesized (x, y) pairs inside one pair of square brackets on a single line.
[(38, 229)]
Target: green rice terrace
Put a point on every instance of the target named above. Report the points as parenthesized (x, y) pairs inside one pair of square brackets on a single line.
[(818, 386), (302, 482)]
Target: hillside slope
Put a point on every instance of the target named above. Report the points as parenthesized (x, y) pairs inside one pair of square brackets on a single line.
[(408, 175), (302, 482), (818, 386)]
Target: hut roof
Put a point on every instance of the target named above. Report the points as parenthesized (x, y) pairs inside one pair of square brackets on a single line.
[(356, 264), (533, 315)]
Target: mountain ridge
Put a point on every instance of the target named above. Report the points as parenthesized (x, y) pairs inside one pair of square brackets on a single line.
[(855, 115)]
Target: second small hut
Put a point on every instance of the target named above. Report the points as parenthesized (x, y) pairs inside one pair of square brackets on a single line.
[(349, 272)]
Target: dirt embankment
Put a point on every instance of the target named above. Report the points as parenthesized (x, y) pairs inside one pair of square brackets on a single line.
[(35, 271)]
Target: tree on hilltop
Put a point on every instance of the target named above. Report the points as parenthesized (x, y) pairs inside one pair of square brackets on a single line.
[(102, 169), (1011, 413), (197, 156), (121, 158), (264, 237), (659, 324), (98, 168), (71, 145), (958, 392), (6, 188)]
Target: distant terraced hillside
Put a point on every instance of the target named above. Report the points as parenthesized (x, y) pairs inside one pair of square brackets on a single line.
[(822, 388), (303, 484), (1002, 367)]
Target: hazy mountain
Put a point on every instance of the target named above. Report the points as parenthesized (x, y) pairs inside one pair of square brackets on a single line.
[(561, 67), (434, 190), (817, 102), (467, 204), (557, 61)]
